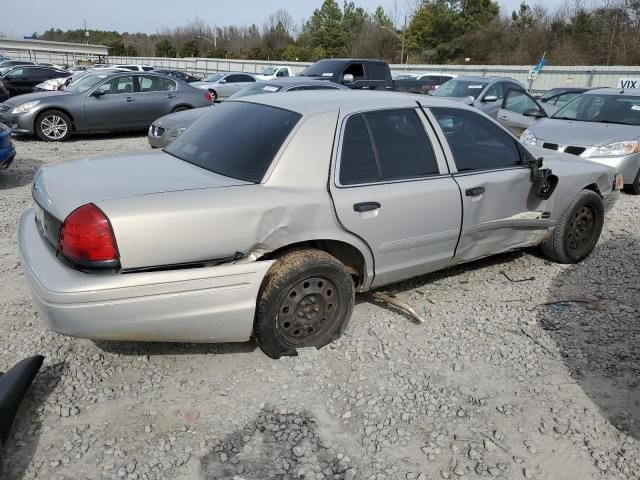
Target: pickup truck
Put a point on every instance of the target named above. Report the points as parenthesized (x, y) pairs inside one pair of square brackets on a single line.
[(368, 75), (271, 73)]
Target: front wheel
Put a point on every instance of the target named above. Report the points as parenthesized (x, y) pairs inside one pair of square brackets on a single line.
[(578, 229), (53, 126), (306, 300)]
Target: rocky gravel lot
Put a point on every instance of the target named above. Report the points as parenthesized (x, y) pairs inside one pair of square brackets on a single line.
[(525, 369)]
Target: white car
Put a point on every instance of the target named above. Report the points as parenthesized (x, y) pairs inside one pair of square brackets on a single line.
[(271, 73), (133, 68)]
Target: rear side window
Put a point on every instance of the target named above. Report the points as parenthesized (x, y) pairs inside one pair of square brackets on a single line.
[(215, 143), (376, 71), (392, 141), (476, 142)]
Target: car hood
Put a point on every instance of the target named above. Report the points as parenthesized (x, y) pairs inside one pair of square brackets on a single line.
[(585, 134), (27, 97), (466, 100), (57, 187), (181, 119)]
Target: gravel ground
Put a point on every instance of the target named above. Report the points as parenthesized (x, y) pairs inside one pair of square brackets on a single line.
[(525, 369)]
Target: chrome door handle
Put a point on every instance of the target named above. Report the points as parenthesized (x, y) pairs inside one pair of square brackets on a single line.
[(503, 117), (129, 99)]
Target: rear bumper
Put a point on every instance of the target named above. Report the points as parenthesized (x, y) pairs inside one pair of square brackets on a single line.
[(204, 305)]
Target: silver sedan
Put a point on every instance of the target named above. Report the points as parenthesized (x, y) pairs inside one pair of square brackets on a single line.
[(269, 230), (600, 125), (223, 85)]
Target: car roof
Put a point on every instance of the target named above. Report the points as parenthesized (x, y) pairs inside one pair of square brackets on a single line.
[(288, 81), (484, 79), (312, 102), (634, 92)]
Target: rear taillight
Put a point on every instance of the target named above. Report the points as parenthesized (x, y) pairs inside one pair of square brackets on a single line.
[(87, 236), (208, 96)]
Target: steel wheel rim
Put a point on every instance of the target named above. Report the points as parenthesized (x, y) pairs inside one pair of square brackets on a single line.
[(581, 228), (53, 127), (308, 310)]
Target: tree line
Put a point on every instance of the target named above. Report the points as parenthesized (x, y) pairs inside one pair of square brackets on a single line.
[(606, 32)]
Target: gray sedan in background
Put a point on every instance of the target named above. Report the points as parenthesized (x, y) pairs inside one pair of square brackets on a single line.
[(267, 215), (484, 93), (106, 102), (223, 85), (601, 125), (166, 129)]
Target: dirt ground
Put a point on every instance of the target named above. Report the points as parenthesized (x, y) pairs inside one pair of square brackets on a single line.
[(525, 369)]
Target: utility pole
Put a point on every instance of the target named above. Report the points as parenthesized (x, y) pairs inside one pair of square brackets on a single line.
[(404, 30), (86, 33)]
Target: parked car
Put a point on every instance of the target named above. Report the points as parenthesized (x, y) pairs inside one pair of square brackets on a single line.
[(106, 102), (64, 82), (519, 111), (14, 385), (166, 129), (484, 93), (271, 73), (353, 73), (9, 64), (423, 84), (185, 77), (557, 97), (23, 79), (222, 85), (601, 125), (419, 76), (267, 230), (7, 150), (132, 68)]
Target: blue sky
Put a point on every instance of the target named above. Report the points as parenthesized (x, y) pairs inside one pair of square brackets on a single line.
[(18, 18)]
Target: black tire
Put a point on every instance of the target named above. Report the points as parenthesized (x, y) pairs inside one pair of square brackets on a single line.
[(578, 229), (53, 126), (214, 95), (634, 188), (181, 108), (306, 300)]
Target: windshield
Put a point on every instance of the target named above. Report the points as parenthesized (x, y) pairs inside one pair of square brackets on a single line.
[(323, 68), (255, 89), (621, 109), (461, 88), (85, 83), (214, 78), (215, 142)]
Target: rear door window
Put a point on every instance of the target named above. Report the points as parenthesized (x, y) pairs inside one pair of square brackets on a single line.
[(394, 141)]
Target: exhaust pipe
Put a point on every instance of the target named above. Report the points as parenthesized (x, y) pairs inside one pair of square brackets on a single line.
[(13, 387)]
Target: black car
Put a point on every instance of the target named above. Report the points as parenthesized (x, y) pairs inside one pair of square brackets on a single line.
[(24, 78), (4, 93), (6, 65), (178, 75)]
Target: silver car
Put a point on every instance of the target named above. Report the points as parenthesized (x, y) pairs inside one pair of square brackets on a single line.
[(484, 93), (269, 230), (108, 102), (223, 85), (166, 129), (601, 125)]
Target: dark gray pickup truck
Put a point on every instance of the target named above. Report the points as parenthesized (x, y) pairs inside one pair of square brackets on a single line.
[(361, 74)]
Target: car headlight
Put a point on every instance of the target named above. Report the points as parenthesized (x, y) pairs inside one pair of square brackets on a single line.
[(26, 107), (616, 149), (528, 138)]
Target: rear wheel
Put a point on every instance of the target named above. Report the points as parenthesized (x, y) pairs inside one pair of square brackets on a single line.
[(306, 300), (634, 188), (578, 229), (53, 126)]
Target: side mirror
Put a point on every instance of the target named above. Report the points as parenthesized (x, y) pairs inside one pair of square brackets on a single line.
[(348, 78), (534, 112), (543, 180), (489, 98), (222, 81), (98, 93)]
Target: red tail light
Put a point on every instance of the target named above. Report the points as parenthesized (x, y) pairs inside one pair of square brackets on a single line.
[(86, 235), (208, 96)]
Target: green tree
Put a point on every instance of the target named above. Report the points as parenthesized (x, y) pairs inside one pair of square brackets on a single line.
[(165, 49), (190, 49), (131, 51), (325, 29), (116, 49)]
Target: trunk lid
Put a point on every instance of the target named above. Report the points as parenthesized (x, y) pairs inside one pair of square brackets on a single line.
[(61, 188)]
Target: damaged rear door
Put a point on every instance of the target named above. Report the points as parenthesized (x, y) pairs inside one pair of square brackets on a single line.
[(392, 188), (501, 210)]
